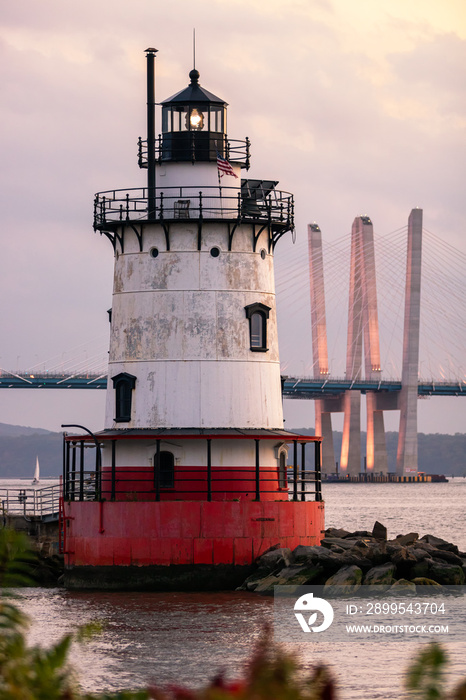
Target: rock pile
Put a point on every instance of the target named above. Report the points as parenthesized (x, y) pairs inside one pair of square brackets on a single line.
[(360, 558)]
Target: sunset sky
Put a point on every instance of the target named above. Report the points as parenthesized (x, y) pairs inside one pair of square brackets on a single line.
[(354, 106)]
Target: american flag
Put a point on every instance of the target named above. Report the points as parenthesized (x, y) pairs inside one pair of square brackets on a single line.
[(224, 167)]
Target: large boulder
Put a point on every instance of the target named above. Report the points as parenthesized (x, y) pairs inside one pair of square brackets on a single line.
[(449, 557), (380, 575), (420, 569), (267, 585), (355, 557), (275, 559), (336, 532), (379, 531), (252, 581), (419, 553), (423, 581), (377, 553), (402, 587), (446, 574), (438, 543), (318, 556), (336, 542), (345, 581), (405, 540), (400, 555), (357, 534), (300, 575)]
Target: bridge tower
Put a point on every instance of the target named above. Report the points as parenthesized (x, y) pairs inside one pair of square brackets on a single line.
[(363, 331), (192, 485), (407, 463), (323, 407)]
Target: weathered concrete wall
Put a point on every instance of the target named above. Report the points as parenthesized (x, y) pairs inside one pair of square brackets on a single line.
[(179, 326)]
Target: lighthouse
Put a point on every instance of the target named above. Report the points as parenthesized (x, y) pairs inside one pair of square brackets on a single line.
[(190, 482)]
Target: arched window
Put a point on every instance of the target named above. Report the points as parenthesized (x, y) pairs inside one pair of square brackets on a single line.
[(282, 473), (257, 314), (167, 469), (123, 384)]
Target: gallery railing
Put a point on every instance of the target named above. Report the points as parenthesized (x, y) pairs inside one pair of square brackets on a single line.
[(275, 208)]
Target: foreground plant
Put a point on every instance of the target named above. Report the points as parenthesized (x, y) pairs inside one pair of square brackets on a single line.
[(426, 676)]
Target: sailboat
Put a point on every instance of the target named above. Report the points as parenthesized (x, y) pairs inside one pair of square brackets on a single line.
[(36, 478)]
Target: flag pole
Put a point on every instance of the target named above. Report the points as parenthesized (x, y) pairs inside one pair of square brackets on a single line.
[(219, 182)]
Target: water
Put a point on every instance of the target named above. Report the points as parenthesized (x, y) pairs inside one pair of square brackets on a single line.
[(437, 509), (188, 638)]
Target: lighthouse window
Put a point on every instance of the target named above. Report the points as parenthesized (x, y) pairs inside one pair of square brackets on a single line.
[(257, 330), (257, 315), (282, 475), (180, 118), (167, 470), (216, 119), (124, 385)]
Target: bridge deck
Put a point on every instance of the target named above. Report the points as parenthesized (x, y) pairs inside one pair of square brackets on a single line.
[(293, 387)]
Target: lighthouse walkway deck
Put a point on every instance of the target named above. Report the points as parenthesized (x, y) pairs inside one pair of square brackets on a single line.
[(38, 503)]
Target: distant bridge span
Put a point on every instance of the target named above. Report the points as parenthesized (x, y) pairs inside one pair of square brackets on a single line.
[(293, 387)]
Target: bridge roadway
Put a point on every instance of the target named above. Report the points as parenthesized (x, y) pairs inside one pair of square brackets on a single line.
[(293, 387)]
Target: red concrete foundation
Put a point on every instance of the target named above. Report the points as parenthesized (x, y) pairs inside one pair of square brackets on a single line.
[(157, 538)]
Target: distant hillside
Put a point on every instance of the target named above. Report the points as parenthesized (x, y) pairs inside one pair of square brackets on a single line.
[(437, 453), (15, 430), (19, 447)]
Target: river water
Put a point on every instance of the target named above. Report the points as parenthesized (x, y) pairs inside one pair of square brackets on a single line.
[(188, 638)]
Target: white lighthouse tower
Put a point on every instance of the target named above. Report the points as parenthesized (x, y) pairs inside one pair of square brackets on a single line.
[(194, 461)]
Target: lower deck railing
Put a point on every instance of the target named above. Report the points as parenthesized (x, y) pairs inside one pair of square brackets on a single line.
[(167, 481), (140, 484), (30, 502)]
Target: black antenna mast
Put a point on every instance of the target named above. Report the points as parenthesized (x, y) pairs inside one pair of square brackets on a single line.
[(194, 48)]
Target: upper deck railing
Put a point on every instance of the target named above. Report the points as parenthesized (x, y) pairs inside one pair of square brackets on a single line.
[(234, 150), (115, 207)]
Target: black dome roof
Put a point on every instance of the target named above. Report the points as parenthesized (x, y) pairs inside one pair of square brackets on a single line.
[(194, 93)]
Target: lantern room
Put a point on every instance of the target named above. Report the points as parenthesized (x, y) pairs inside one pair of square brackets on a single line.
[(193, 124)]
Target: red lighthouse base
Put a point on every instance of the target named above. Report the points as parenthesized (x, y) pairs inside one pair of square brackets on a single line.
[(179, 545)]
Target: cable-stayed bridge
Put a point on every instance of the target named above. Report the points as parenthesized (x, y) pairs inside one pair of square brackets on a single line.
[(292, 388), (394, 317)]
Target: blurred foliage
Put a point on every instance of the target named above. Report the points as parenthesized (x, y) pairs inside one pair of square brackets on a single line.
[(426, 677), (33, 673), (270, 675)]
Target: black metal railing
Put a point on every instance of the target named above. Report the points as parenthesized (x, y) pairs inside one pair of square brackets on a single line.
[(199, 203), (207, 482), (234, 150)]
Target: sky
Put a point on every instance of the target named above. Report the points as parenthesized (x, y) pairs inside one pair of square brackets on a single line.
[(355, 107)]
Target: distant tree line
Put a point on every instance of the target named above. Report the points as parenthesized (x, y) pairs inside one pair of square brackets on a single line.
[(437, 453)]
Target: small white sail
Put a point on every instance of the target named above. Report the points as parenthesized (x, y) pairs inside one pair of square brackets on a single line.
[(36, 478)]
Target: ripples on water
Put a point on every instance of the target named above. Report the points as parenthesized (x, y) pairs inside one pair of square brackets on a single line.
[(188, 638)]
